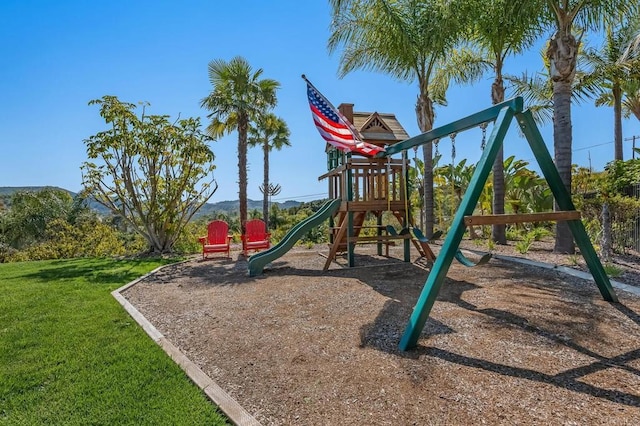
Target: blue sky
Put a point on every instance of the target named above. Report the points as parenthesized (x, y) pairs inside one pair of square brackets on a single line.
[(58, 55)]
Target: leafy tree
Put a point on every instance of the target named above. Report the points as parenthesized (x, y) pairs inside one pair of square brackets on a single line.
[(620, 176), (562, 52), (149, 171), (239, 96), (26, 221), (408, 40), (270, 132)]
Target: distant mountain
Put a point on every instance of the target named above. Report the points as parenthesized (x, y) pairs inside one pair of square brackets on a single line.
[(9, 190), (234, 206), (208, 209)]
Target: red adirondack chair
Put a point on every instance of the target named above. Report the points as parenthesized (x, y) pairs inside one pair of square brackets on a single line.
[(256, 236), (217, 240)]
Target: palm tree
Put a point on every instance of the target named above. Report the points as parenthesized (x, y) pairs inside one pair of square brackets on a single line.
[(562, 52), (632, 50), (239, 95), (406, 39), (631, 101), (610, 73), (270, 132), (537, 88), (491, 45)]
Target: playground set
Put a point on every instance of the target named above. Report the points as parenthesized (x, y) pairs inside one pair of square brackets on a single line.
[(375, 185)]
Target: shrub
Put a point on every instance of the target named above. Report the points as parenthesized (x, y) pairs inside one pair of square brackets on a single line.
[(539, 232), (612, 270), (513, 234), (523, 246)]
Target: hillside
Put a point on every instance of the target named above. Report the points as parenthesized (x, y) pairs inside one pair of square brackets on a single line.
[(208, 209)]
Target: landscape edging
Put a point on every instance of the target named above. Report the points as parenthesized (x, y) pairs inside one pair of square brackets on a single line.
[(229, 406), (569, 271)]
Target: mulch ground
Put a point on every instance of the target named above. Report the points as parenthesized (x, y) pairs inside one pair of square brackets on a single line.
[(505, 343)]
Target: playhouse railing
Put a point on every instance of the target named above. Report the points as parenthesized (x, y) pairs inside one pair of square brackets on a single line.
[(367, 181)]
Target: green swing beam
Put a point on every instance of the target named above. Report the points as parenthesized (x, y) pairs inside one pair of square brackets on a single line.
[(503, 115)]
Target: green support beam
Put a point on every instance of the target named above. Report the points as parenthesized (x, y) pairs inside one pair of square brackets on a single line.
[(563, 198), (503, 114), (489, 114), (450, 246)]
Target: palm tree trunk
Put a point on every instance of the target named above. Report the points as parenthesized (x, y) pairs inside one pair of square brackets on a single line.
[(265, 192), (562, 53), (562, 152), (498, 232), (242, 168), (425, 115), (617, 124)]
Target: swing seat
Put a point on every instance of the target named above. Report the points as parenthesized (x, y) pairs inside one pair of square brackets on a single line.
[(459, 256), (436, 235), (418, 235), (465, 261)]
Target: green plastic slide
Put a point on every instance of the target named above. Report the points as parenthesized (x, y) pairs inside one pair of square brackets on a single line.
[(258, 261)]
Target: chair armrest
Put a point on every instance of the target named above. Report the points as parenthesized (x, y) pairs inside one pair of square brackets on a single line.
[(229, 238), (203, 240)]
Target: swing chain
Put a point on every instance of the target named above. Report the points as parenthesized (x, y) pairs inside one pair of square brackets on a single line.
[(483, 144), (436, 142), (453, 147)]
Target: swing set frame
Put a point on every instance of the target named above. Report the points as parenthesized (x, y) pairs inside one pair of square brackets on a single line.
[(502, 114)]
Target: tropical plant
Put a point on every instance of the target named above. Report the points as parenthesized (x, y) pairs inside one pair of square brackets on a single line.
[(524, 245), (408, 40), (526, 191), (149, 171), (269, 132), (239, 95)]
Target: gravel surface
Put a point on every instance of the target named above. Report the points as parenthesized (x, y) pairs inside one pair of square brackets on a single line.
[(505, 343)]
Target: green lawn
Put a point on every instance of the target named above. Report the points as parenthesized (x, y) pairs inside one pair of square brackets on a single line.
[(69, 353)]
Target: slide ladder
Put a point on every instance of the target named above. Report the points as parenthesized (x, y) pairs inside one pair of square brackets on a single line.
[(258, 261)]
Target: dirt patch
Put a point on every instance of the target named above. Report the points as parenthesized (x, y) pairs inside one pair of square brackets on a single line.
[(505, 343)]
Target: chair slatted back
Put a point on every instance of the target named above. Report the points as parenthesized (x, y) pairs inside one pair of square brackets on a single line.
[(217, 232), (256, 230)]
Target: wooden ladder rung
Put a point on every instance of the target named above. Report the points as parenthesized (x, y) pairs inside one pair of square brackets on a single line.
[(499, 219)]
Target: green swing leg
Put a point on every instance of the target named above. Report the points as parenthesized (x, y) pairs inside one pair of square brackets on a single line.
[(441, 266)]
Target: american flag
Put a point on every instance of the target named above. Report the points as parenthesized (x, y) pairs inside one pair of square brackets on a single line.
[(335, 128)]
